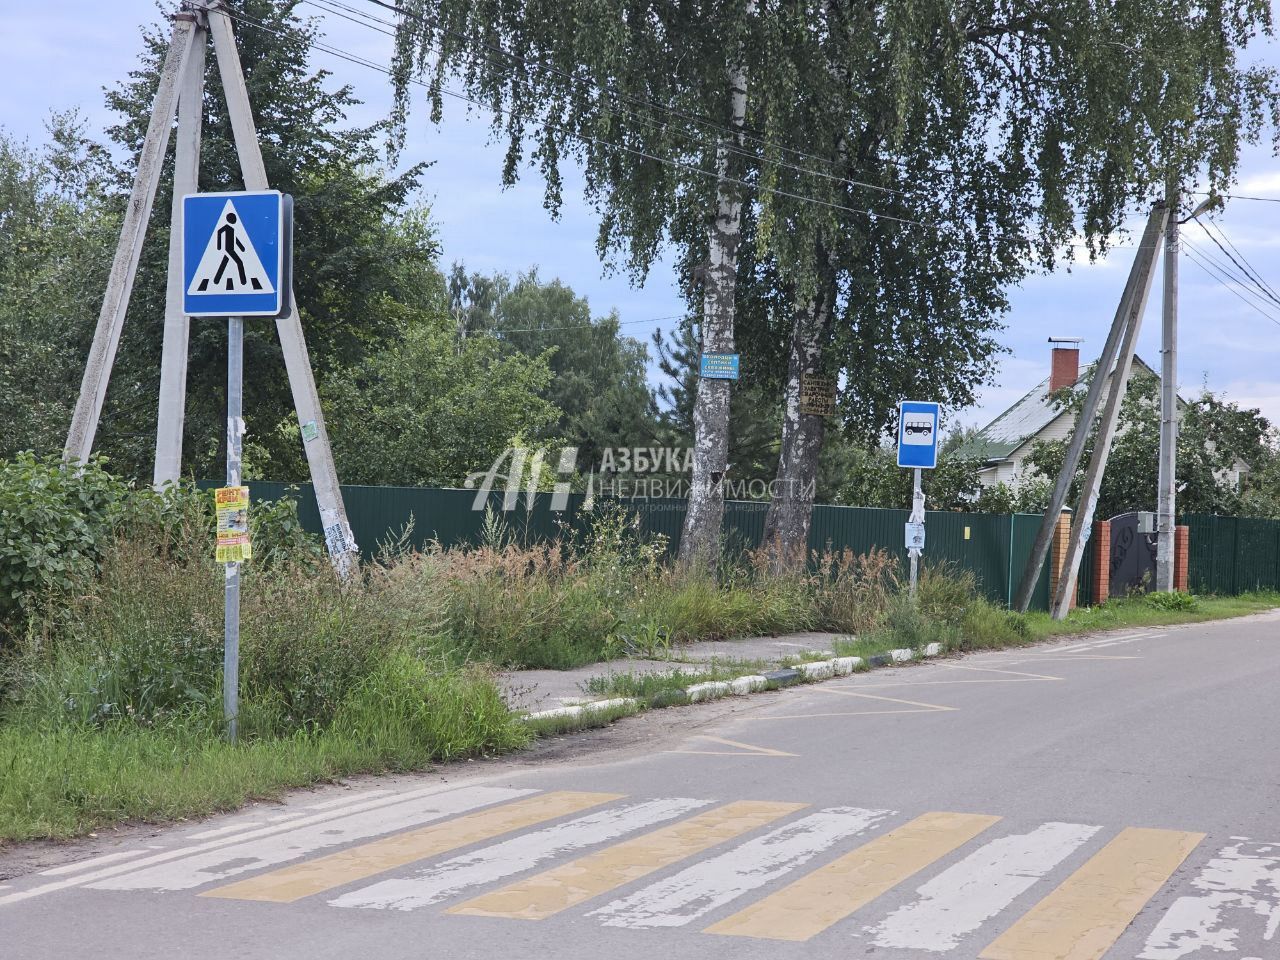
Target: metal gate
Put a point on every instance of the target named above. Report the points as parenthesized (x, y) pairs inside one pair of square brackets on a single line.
[(1133, 554)]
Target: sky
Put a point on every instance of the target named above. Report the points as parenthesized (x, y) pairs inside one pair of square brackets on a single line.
[(61, 54)]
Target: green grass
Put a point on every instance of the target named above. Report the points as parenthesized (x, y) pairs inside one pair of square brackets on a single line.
[(667, 688), (60, 779), (586, 720), (1138, 612)]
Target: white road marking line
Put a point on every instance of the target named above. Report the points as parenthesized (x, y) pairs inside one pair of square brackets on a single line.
[(229, 828), (712, 883), (89, 864), (959, 900), (502, 860), (260, 854), (1239, 888), (344, 801), (184, 851)]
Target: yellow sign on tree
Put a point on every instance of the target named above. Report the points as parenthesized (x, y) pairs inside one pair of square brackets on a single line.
[(232, 505)]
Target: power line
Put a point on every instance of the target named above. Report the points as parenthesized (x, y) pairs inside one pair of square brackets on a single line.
[(499, 331), (370, 64), (1246, 266), (1225, 279), (1245, 284), (1234, 196)]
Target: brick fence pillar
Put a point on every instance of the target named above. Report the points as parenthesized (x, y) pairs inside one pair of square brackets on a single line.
[(1058, 555), (1101, 572), (1181, 556)]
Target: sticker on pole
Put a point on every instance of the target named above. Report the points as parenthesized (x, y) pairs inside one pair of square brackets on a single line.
[(918, 434), (233, 254), (232, 507), (718, 366)]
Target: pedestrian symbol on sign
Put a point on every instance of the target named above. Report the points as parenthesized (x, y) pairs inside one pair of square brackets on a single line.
[(233, 254), (230, 264)]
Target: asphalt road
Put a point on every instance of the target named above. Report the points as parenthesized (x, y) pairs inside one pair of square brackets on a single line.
[(1116, 797)]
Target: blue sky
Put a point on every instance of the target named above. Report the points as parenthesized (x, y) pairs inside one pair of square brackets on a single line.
[(60, 55)]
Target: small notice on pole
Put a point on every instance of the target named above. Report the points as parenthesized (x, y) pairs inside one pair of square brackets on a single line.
[(232, 506), (817, 395), (915, 536)]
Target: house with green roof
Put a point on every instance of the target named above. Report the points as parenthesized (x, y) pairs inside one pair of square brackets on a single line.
[(1004, 444)]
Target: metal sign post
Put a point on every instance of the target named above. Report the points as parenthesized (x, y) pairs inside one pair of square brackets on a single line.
[(231, 604), (917, 449), (233, 265)]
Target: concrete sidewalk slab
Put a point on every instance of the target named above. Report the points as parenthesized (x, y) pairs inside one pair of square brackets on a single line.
[(536, 690)]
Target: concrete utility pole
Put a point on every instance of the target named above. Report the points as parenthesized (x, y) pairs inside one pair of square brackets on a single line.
[(1166, 491), (1082, 520), (181, 78), (1093, 399), (124, 266), (171, 413)]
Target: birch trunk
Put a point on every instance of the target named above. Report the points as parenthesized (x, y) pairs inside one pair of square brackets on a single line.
[(700, 537), (786, 527)]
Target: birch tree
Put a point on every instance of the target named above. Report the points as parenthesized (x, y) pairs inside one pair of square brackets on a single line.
[(898, 165)]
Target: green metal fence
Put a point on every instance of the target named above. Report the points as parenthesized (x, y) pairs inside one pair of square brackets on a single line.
[(994, 546), (1231, 555)]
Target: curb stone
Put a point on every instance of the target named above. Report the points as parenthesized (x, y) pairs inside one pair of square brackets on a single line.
[(811, 671)]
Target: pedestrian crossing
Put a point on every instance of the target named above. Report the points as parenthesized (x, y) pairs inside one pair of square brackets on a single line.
[(933, 883)]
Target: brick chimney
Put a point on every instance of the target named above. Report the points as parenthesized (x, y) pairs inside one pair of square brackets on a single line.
[(1064, 368)]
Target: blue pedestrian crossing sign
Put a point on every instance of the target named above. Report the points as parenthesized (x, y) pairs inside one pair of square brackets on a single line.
[(918, 434), (233, 254)]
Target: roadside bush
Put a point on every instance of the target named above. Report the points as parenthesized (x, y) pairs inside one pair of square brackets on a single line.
[(54, 520), (1171, 601)]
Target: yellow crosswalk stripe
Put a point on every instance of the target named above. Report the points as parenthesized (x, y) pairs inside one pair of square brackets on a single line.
[(325, 873), (814, 902), (548, 893), (1083, 917)]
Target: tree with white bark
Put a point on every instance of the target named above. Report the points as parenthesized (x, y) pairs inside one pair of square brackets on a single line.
[(891, 169)]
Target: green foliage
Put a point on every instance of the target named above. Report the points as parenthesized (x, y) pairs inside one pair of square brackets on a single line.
[(360, 242), (928, 155), (54, 520), (426, 410), (597, 375), (58, 225), (1171, 601), (1215, 438)]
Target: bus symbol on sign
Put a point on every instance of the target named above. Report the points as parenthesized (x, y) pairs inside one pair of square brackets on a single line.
[(918, 434), (918, 429)]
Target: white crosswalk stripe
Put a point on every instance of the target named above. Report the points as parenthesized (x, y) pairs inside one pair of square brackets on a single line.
[(1238, 892), (501, 860), (710, 884), (959, 900), (230, 861)]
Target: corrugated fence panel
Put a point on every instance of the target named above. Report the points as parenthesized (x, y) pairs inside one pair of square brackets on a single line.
[(1227, 554)]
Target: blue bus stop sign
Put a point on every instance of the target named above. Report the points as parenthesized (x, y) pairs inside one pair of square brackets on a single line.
[(233, 248), (918, 434)]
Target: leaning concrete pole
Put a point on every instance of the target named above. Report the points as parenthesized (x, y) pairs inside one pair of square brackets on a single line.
[(1166, 491), (1082, 521), (1084, 423), (306, 400), (171, 413), (124, 267)]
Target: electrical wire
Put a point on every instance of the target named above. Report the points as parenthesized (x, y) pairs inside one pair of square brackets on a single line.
[(1234, 196), (1244, 284), (586, 138), (1226, 280), (1245, 266)]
